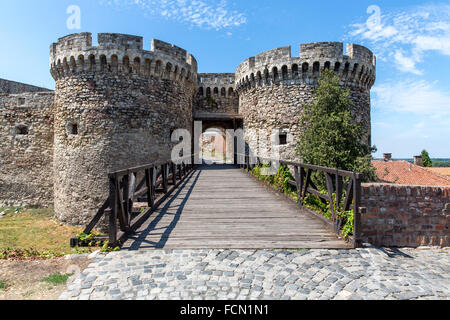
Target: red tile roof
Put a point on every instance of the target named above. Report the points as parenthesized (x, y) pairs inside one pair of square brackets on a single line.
[(442, 171), (403, 172)]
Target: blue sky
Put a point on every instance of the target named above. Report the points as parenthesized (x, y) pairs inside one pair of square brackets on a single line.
[(411, 97)]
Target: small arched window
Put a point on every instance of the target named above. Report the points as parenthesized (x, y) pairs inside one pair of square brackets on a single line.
[(355, 68), (158, 67), (337, 66), (137, 65), (175, 73), (230, 92), (126, 64), (81, 62), (148, 66), (22, 130), (216, 91), (168, 70), (259, 77), (73, 65), (103, 63), (223, 92), (316, 68), (305, 67), (201, 92), (275, 74), (327, 65), (266, 76), (295, 71), (284, 72), (91, 62), (347, 67), (74, 129), (114, 63), (208, 92)]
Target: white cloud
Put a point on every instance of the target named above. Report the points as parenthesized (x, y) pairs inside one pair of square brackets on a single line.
[(407, 36), (412, 96), (406, 64), (211, 14)]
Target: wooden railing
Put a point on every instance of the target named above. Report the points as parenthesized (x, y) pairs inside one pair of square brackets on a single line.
[(149, 185), (343, 189)]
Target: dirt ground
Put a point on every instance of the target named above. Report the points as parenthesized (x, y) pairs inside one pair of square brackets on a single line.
[(23, 278)]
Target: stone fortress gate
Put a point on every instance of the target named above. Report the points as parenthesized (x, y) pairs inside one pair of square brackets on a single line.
[(116, 105)]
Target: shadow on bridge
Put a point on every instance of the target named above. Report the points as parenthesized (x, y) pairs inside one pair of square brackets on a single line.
[(139, 240), (220, 207)]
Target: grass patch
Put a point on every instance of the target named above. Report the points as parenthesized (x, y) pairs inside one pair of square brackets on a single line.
[(28, 232), (57, 279), (3, 285)]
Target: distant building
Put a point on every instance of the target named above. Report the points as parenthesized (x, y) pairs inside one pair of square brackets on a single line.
[(406, 173)]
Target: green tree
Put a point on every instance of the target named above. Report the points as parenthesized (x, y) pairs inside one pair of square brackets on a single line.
[(331, 137), (426, 159)]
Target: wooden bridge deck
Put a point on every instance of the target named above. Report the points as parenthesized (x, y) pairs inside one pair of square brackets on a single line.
[(221, 207)]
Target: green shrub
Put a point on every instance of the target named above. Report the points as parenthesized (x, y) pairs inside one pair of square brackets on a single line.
[(331, 137), (57, 279)]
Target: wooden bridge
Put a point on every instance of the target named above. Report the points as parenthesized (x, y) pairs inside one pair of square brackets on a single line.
[(218, 206)]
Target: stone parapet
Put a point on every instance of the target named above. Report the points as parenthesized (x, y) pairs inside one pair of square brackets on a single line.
[(357, 68), (119, 53)]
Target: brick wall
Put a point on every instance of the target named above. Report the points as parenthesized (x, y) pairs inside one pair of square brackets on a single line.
[(403, 215)]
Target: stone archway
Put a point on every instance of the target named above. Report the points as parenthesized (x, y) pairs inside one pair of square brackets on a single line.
[(213, 145), (213, 137)]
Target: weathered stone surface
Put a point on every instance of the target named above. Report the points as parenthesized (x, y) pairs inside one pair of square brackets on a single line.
[(124, 103), (26, 149), (273, 87)]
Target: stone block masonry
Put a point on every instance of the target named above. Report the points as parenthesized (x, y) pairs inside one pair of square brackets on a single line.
[(403, 215), (26, 149), (12, 87), (273, 87), (216, 94), (116, 105)]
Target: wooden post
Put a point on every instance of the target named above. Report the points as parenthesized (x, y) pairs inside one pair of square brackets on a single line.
[(339, 187), (298, 182), (356, 210), (125, 202), (112, 212), (165, 177), (174, 174), (150, 187)]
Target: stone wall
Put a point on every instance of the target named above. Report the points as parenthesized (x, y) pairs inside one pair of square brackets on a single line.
[(12, 87), (273, 87), (116, 106), (26, 149), (402, 215), (216, 94)]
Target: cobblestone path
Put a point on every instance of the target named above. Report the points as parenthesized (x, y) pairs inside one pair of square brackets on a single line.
[(266, 274)]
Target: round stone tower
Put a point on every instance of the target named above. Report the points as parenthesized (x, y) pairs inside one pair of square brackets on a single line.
[(115, 107), (273, 87)]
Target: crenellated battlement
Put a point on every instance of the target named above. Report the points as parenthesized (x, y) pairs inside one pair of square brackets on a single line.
[(120, 53), (216, 84), (356, 68)]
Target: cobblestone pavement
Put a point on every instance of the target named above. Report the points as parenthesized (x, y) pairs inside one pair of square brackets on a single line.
[(367, 273)]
